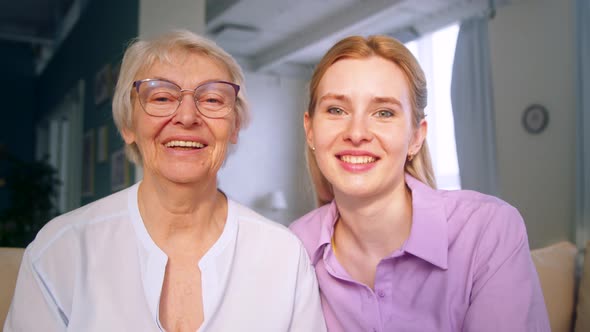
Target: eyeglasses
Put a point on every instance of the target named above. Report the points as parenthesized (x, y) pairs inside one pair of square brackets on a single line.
[(213, 99)]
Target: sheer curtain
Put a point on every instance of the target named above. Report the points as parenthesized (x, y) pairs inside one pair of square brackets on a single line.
[(473, 108), (435, 52), (582, 8)]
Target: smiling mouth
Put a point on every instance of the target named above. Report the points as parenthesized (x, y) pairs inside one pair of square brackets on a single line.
[(184, 145), (356, 160)]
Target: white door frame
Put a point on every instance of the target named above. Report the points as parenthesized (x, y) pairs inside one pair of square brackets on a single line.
[(582, 226), (59, 136)]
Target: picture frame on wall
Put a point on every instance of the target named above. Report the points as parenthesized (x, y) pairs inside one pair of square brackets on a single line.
[(102, 153), (88, 163), (102, 84), (119, 170)]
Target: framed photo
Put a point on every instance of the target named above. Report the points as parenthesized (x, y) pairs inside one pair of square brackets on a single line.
[(102, 148), (119, 170), (88, 163), (102, 84)]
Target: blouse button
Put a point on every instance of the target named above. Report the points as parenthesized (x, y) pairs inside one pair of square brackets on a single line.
[(381, 293)]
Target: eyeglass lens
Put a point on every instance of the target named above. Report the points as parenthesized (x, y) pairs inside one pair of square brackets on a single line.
[(162, 98)]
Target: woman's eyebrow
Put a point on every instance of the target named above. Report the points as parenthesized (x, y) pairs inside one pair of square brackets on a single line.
[(377, 100), (387, 100), (335, 96)]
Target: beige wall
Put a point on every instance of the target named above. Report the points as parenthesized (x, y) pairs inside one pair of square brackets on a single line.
[(269, 154), (532, 53), (156, 16)]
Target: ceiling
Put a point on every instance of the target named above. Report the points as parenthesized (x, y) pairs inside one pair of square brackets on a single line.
[(40, 24), (32, 21), (289, 37), (280, 36)]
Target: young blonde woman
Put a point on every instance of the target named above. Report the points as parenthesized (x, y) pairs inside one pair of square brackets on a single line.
[(391, 252)]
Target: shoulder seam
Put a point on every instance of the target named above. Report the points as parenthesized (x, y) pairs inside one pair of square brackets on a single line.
[(69, 227)]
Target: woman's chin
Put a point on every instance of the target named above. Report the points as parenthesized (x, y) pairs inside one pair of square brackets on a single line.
[(186, 175), (359, 190)]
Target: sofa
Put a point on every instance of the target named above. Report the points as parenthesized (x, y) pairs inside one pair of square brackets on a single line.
[(565, 289), (567, 304), (10, 259)]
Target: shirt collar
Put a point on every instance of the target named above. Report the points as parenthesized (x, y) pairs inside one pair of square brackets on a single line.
[(327, 217), (215, 265), (428, 236)]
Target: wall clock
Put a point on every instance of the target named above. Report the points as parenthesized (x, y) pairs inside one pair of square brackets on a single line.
[(535, 119)]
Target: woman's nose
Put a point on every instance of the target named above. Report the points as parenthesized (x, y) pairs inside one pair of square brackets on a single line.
[(357, 130), (187, 113)]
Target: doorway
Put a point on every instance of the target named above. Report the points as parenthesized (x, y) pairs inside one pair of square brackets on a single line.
[(59, 139)]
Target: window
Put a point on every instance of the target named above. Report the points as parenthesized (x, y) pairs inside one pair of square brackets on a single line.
[(435, 52)]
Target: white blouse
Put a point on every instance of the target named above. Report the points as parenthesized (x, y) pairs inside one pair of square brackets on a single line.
[(97, 269)]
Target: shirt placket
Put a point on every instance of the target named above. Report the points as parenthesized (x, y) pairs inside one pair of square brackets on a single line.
[(384, 279), (374, 313), (371, 300)]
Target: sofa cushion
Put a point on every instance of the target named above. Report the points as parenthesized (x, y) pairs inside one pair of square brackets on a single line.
[(556, 268), (10, 259), (583, 310)]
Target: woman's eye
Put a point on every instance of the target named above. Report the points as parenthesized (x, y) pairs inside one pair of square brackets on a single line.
[(335, 111), (161, 98), (384, 114), (212, 100)]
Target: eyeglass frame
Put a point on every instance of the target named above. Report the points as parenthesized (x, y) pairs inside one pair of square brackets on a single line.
[(137, 83)]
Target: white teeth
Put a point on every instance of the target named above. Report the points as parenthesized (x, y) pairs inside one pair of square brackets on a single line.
[(184, 144), (357, 159)]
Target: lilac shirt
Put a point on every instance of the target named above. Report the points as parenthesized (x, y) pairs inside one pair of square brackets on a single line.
[(466, 266)]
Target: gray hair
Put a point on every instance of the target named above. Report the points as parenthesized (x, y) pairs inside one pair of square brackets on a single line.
[(142, 54)]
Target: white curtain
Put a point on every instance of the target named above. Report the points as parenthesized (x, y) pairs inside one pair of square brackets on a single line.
[(473, 108), (582, 9)]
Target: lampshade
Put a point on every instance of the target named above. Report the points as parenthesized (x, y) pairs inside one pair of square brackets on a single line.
[(278, 200)]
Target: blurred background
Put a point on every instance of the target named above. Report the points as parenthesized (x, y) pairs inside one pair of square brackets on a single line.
[(487, 63)]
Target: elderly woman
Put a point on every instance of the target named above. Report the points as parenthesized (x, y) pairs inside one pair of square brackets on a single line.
[(172, 252)]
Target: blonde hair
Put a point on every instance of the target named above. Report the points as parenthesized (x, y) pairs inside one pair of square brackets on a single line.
[(357, 47), (142, 54)]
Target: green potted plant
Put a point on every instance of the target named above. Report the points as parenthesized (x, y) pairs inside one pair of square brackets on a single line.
[(33, 187)]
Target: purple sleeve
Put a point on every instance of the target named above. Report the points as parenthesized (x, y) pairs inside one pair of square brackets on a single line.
[(506, 294)]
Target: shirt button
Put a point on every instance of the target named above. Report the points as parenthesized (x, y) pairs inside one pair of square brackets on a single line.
[(381, 293)]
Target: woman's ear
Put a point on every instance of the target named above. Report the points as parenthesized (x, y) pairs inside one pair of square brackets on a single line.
[(233, 138), (128, 135), (418, 137), (308, 129)]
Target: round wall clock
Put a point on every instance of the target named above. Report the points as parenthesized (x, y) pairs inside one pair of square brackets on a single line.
[(535, 119)]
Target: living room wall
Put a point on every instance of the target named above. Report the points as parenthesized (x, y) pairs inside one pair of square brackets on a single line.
[(532, 53), (96, 42), (269, 156), (19, 92)]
